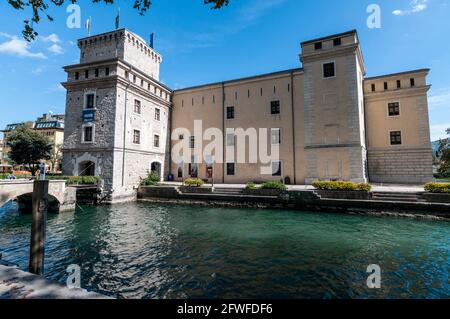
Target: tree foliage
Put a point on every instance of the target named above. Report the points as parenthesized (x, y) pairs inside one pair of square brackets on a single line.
[(39, 8), (444, 155), (28, 147)]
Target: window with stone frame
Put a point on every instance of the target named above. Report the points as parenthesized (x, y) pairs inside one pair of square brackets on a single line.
[(88, 134), (156, 141), (157, 114), (275, 136), (230, 112), (90, 101), (137, 107), (275, 107), (394, 109), (136, 137), (396, 137), (329, 70)]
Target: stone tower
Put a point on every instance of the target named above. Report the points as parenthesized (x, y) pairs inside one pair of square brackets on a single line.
[(335, 143), (117, 113)]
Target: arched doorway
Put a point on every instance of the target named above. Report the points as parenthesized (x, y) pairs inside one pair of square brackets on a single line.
[(86, 168), (156, 167)]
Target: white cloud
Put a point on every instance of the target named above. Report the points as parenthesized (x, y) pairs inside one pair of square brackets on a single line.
[(19, 47), (51, 38), (38, 70), (56, 49), (440, 99), (438, 131), (414, 7)]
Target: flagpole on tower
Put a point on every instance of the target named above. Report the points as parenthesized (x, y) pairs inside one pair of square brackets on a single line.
[(118, 19)]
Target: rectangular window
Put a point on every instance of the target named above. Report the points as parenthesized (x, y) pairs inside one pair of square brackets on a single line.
[(230, 112), (337, 42), (275, 107), (157, 114), (385, 86), (88, 134), (373, 87), (96, 73), (180, 171), (276, 168), (142, 83), (107, 71), (412, 82), (275, 136), (394, 109), (90, 101), (136, 137), (328, 70), (399, 84), (156, 141), (86, 74), (231, 138), (127, 76), (137, 106), (396, 137), (231, 169), (192, 142), (77, 75), (317, 45), (134, 78)]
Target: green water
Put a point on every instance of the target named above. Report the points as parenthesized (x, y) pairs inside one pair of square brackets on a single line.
[(143, 250)]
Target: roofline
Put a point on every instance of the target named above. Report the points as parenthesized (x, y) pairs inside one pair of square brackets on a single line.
[(240, 79), (104, 33), (354, 31), (92, 64), (396, 74)]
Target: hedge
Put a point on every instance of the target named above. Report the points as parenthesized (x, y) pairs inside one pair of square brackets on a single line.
[(274, 185), (437, 187), (342, 186), (194, 182)]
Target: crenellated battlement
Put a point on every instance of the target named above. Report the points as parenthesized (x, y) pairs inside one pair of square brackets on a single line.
[(124, 45)]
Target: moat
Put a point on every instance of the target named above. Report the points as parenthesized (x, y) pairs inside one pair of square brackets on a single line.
[(142, 250)]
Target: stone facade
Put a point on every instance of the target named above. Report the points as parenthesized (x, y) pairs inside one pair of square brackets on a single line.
[(332, 124), (121, 134)]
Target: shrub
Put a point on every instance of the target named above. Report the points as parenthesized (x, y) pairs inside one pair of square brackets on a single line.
[(251, 186), (274, 185), (437, 187), (342, 186), (194, 182), (152, 179), (81, 180)]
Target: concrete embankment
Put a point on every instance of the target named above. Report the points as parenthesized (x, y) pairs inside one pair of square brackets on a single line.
[(301, 200), (17, 284)]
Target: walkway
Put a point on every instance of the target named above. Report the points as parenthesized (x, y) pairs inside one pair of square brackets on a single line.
[(375, 187), (17, 284)]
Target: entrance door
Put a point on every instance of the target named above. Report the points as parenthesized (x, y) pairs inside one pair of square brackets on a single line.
[(86, 169), (156, 167)]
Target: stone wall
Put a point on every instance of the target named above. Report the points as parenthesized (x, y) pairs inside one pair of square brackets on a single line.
[(411, 166)]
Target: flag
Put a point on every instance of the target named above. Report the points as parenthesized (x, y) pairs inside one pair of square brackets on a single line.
[(118, 19), (152, 38), (88, 25)]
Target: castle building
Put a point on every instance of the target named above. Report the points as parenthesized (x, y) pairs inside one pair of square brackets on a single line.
[(327, 119)]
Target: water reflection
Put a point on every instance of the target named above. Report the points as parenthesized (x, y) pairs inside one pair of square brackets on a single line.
[(158, 251)]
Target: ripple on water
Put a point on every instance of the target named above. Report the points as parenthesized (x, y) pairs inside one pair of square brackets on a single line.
[(165, 251)]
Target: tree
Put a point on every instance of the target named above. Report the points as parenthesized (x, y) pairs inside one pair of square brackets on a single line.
[(40, 7), (444, 155), (28, 147)]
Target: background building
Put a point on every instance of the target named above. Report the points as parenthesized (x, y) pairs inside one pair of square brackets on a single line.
[(49, 125), (329, 122)]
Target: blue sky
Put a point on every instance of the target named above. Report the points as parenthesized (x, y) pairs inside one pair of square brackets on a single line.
[(249, 37)]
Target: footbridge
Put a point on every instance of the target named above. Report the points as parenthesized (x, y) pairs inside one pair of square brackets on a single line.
[(61, 197)]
